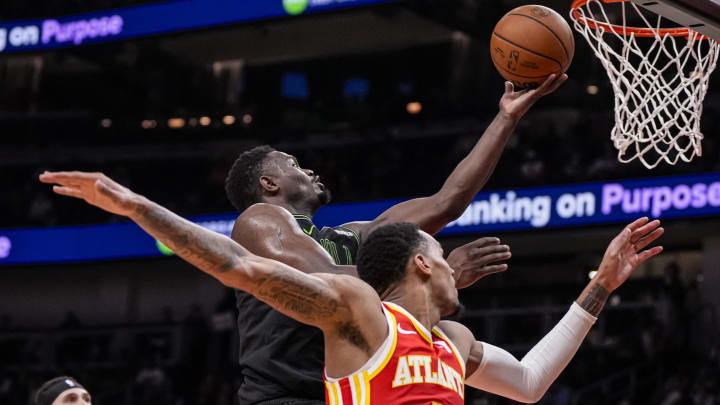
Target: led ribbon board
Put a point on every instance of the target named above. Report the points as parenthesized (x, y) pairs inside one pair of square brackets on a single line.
[(521, 209), (151, 19)]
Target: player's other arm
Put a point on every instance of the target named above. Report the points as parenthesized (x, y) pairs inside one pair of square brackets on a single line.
[(312, 299), (493, 369), (470, 175), (271, 231)]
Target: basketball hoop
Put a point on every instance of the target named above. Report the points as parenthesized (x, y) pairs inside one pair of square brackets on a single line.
[(659, 76)]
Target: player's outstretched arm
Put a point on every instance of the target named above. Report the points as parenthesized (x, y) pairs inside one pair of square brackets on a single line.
[(270, 231), (434, 212), (312, 299), (493, 369)]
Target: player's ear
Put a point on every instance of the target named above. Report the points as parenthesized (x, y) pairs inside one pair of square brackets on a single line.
[(421, 263), (268, 184)]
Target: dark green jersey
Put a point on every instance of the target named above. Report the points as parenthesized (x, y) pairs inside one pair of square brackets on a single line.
[(279, 356)]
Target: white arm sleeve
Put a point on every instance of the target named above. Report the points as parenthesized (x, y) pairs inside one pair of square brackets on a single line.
[(528, 380)]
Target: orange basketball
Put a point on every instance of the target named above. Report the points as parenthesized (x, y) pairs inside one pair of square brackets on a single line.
[(530, 43)]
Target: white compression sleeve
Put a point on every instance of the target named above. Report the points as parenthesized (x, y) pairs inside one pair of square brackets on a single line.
[(528, 380)]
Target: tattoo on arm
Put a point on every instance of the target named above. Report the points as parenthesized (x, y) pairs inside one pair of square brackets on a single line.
[(296, 296), (203, 248), (595, 300)]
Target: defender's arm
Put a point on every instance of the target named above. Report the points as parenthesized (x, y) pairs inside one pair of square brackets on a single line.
[(493, 369), (434, 212), (316, 300)]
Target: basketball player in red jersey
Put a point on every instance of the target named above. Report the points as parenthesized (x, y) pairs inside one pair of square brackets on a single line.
[(392, 352)]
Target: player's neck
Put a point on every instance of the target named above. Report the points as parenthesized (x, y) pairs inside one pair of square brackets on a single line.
[(297, 208), (417, 300)]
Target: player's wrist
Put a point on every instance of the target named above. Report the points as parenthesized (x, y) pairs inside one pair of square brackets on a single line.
[(603, 281), (508, 117), (138, 206)]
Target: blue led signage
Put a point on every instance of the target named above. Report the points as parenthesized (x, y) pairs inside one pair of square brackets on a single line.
[(151, 19), (490, 212)]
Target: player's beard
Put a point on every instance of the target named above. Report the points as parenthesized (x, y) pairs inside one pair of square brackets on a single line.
[(457, 315), (324, 197)]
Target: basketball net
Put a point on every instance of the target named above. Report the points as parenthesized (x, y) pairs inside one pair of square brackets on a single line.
[(659, 77)]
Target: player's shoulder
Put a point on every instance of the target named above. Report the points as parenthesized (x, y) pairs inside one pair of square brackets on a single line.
[(265, 209), (459, 334), (357, 227), (261, 214), (352, 287), (342, 231), (259, 218)]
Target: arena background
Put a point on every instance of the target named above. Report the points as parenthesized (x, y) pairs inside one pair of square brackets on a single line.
[(381, 100)]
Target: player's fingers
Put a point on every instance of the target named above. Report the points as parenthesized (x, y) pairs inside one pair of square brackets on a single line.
[(68, 191), (644, 230), (494, 268), (547, 84), (486, 241), (487, 250), (646, 254), (558, 82), (650, 238), (497, 257), (509, 88), (638, 223), (65, 177)]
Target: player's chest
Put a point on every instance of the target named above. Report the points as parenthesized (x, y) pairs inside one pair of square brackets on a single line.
[(420, 371)]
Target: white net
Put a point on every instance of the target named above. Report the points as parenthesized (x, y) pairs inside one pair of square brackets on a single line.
[(659, 81)]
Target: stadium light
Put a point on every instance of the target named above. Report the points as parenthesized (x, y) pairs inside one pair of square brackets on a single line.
[(593, 89), (148, 124), (228, 119), (414, 107), (176, 123)]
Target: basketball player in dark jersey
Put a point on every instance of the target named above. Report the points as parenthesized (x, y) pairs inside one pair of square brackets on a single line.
[(282, 359)]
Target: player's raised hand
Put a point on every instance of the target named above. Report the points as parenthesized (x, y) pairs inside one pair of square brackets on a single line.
[(478, 259), (625, 252), (95, 188), (517, 103)]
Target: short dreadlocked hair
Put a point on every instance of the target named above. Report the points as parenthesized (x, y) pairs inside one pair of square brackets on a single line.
[(242, 186), (383, 256)]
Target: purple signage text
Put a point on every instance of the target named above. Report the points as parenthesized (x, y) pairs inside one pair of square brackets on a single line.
[(658, 199), (5, 246), (78, 31)]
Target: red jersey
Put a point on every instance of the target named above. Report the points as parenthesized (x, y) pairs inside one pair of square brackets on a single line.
[(412, 367)]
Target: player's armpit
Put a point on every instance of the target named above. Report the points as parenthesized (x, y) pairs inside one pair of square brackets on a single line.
[(271, 231)]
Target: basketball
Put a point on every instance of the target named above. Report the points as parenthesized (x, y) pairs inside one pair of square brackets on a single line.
[(530, 43)]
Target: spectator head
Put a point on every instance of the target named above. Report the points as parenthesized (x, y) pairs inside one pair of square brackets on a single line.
[(62, 390)]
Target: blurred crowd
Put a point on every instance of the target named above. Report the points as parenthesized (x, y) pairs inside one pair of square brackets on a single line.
[(396, 162)]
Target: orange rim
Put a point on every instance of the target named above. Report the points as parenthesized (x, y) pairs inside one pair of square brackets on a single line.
[(621, 30)]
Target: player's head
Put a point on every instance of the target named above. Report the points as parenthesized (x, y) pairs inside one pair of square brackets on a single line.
[(62, 390), (264, 174), (401, 254)]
